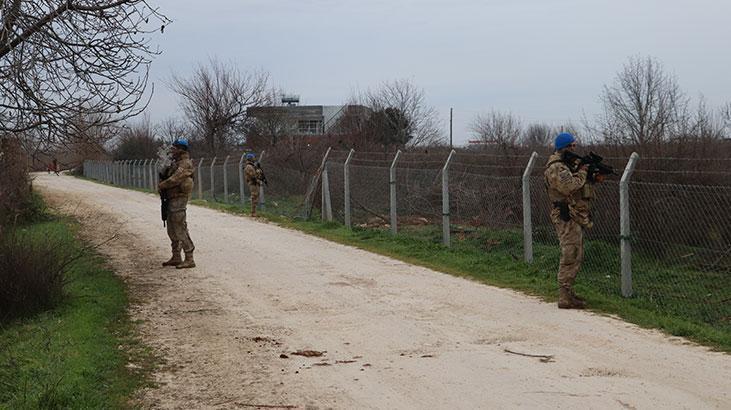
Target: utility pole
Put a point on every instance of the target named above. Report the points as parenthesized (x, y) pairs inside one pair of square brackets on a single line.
[(450, 128)]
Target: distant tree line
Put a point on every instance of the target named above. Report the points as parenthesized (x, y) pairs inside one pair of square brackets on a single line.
[(643, 107)]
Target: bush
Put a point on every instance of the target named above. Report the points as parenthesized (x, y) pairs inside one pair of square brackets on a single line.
[(34, 210), (32, 266), (15, 187)]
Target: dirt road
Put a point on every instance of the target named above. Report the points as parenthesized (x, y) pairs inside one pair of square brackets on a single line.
[(393, 335)]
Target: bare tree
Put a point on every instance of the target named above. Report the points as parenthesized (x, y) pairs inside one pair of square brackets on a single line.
[(704, 124), (270, 127), (171, 129), (644, 104), (137, 141), (404, 105), (497, 128), (215, 98), (726, 118), (537, 135), (63, 59)]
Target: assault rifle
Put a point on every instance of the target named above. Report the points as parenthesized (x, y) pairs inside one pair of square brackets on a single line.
[(597, 168), (263, 178), (164, 200)]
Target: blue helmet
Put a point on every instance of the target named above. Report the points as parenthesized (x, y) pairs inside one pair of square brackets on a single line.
[(250, 155), (563, 140), (181, 143)]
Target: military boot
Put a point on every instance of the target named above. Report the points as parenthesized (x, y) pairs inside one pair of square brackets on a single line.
[(253, 209), (188, 262), (175, 260), (577, 300), (565, 301)]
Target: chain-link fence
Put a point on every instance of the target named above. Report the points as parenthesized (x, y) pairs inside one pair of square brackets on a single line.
[(676, 241)]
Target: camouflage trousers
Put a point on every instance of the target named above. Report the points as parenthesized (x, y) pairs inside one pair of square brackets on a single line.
[(254, 190), (571, 240), (178, 226)]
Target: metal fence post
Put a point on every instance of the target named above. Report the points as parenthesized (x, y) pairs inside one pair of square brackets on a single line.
[(138, 174), (128, 173), (624, 221), (242, 194), (156, 175), (325, 198), (445, 200), (213, 180), (346, 185), (200, 179), (133, 174), (152, 174), (145, 174), (326, 203), (261, 187), (392, 193), (527, 217), (142, 179), (225, 179)]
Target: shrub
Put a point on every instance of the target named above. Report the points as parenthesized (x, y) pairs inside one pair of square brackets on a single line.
[(15, 188), (32, 266)]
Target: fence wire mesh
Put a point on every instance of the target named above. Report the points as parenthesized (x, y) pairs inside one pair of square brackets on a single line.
[(681, 238), (680, 224)]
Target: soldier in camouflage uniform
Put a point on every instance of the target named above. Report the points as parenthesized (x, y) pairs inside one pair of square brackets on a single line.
[(178, 186), (253, 175), (570, 197)]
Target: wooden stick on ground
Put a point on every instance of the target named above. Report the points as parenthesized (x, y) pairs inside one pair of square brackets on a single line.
[(545, 358)]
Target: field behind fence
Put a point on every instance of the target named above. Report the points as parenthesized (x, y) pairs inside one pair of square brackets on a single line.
[(676, 238)]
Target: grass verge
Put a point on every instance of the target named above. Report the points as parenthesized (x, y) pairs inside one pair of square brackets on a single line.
[(75, 355)]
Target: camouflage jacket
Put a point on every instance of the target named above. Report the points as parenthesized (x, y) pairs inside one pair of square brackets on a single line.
[(180, 182), (252, 173), (568, 187)]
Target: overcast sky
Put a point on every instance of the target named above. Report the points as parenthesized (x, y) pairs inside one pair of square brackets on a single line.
[(543, 60)]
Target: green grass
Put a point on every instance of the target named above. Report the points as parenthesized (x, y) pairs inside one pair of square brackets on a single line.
[(678, 300), (75, 355)]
